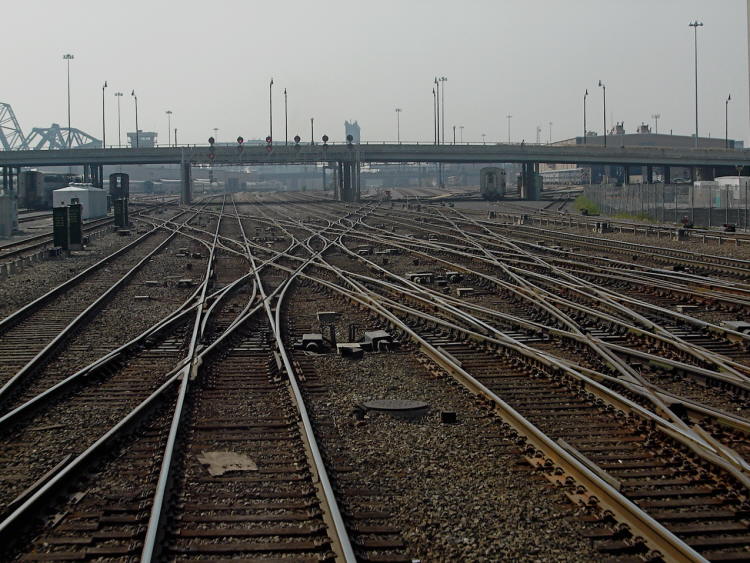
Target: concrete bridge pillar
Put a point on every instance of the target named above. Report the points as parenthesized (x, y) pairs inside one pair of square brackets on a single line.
[(530, 181), (348, 181), (186, 193)]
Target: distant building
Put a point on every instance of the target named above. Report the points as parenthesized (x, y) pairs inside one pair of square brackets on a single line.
[(352, 128), (617, 137), (146, 139)]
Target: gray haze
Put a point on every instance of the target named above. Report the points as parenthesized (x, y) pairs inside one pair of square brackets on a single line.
[(210, 63)]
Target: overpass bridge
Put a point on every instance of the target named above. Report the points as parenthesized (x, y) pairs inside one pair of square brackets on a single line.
[(347, 158)]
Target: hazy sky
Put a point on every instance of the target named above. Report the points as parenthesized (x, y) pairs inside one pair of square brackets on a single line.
[(210, 62)]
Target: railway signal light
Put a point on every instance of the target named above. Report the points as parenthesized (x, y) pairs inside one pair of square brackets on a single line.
[(240, 140), (325, 139), (211, 141), (297, 139)]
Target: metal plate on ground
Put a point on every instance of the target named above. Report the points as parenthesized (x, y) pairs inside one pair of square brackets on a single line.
[(400, 408)]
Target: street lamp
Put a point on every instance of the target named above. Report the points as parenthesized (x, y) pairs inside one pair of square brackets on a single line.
[(509, 118), (169, 127), (585, 95), (68, 57), (437, 111), (454, 134), (286, 121), (726, 121), (398, 125), (104, 127), (550, 132), (695, 25), (137, 134), (656, 118), (118, 95), (434, 116), (461, 132), (270, 110), (443, 80), (604, 113), (312, 130)]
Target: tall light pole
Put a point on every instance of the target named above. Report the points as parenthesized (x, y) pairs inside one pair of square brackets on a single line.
[(286, 121), (68, 57), (585, 95), (434, 116), (508, 117), (118, 95), (656, 118), (270, 110), (538, 134), (169, 126), (461, 133), (695, 25), (216, 134), (437, 110), (484, 137), (312, 130), (398, 125), (454, 134), (137, 133), (604, 113), (104, 126), (443, 80), (726, 121), (550, 132)]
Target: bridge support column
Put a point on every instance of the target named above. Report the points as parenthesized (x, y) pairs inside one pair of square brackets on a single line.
[(348, 181), (647, 174), (530, 181), (186, 193), (667, 174)]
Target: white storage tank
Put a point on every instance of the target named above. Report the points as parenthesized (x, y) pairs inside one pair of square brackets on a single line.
[(93, 200)]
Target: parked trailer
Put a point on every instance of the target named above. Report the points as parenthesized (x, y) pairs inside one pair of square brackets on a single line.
[(568, 177)]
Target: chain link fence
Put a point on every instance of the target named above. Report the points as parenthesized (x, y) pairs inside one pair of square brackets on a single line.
[(707, 206)]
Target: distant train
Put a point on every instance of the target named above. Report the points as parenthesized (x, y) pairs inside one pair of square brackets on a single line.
[(492, 183), (35, 188), (569, 176)]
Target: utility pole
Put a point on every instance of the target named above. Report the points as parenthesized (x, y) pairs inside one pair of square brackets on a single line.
[(550, 132), (461, 133), (443, 80), (695, 25), (104, 123), (169, 127), (312, 130), (270, 110), (726, 121), (137, 133), (434, 116)]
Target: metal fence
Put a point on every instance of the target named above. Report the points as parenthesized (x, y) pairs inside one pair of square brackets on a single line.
[(669, 203)]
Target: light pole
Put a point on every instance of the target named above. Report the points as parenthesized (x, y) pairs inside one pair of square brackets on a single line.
[(175, 136), (437, 109), (216, 134), (695, 25), (484, 136), (656, 118), (312, 130), (538, 134), (118, 95), (550, 132), (454, 134), (461, 133), (104, 127), (585, 95), (286, 121), (508, 117), (726, 121), (270, 110), (398, 125), (443, 80), (434, 116), (68, 57), (169, 127), (137, 134), (604, 113)]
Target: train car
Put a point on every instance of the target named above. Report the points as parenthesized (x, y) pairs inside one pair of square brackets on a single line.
[(492, 183), (568, 176)]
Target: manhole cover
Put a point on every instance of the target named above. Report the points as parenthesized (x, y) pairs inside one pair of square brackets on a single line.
[(398, 407)]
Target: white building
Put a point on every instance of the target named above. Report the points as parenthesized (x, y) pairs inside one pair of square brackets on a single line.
[(93, 200)]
